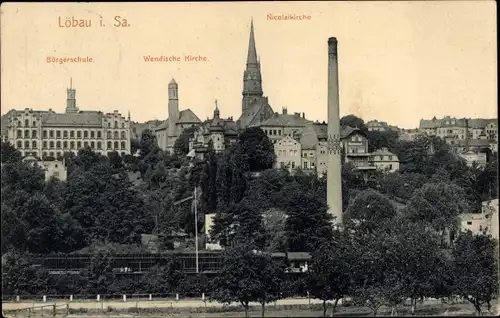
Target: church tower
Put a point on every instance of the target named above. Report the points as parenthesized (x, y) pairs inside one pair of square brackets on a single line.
[(173, 110), (71, 99), (252, 80)]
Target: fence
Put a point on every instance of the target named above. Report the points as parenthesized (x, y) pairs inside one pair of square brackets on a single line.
[(102, 297), (44, 310)]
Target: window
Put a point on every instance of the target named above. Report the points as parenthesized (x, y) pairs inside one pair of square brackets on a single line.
[(65, 144), (78, 144), (279, 132), (65, 134), (78, 134), (27, 144), (51, 144), (99, 145), (45, 154), (33, 134), (19, 134), (109, 125), (305, 165), (86, 144), (19, 124), (44, 144), (123, 125), (33, 144), (58, 134), (116, 144), (116, 135), (19, 144), (51, 154), (85, 134), (92, 144), (293, 164), (116, 124), (99, 134), (92, 134), (72, 134), (26, 123), (26, 134), (58, 145), (72, 145), (51, 134), (122, 135), (109, 135), (469, 222), (109, 144), (122, 145), (56, 174)]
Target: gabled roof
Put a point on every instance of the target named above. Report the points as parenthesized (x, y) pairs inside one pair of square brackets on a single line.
[(287, 120), (187, 116), (308, 139), (78, 119)]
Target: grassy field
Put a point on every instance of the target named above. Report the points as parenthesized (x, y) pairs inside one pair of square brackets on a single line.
[(315, 310)]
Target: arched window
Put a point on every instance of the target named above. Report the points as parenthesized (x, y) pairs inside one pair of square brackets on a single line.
[(33, 134), (26, 123), (26, 134), (51, 144), (72, 145), (109, 125), (51, 134), (85, 144), (19, 123), (58, 145), (44, 134), (108, 135), (116, 135), (116, 144), (34, 124), (45, 154), (44, 144), (116, 124), (92, 145), (99, 135), (27, 144), (65, 134), (109, 144), (78, 144), (19, 133), (98, 145), (122, 135), (123, 145), (19, 144), (58, 134), (52, 154), (92, 134), (33, 144), (123, 125), (85, 134), (65, 144), (78, 134), (72, 134)]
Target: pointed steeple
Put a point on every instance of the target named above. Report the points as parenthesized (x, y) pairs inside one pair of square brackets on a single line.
[(252, 51)]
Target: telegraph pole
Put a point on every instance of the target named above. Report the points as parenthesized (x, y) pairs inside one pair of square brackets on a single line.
[(196, 229)]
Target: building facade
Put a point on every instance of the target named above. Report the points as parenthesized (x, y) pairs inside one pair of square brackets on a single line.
[(385, 160), (218, 132), (177, 121), (485, 222), (49, 134), (52, 169)]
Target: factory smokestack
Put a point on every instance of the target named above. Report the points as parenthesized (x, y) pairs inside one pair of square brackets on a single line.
[(334, 165), (466, 134)]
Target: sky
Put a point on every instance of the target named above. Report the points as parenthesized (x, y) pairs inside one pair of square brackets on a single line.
[(398, 61)]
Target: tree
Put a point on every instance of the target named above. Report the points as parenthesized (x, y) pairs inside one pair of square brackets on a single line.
[(330, 276), (100, 274), (147, 143), (168, 278), (308, 222), (352, 121), (475, 269), (256, 149), (20, 276), (240, 222), (368, 210), (247, 275), (9, 153), (438, 204), (115, 160), (382, 139), (181, 145)]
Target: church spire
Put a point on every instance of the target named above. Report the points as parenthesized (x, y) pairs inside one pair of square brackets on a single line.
[(252, 51)]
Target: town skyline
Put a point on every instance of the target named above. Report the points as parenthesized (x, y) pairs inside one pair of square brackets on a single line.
[(450, 71)]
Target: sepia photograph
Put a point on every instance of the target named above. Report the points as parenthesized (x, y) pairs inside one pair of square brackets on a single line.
[(249, 159)]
